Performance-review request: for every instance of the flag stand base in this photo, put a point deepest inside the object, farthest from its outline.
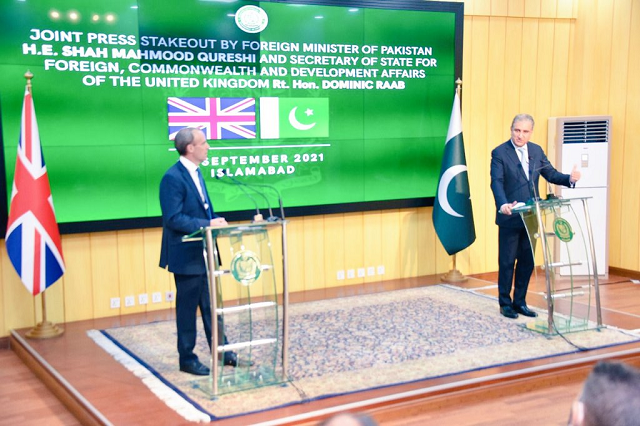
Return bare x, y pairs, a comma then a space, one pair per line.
44, 330
453, 276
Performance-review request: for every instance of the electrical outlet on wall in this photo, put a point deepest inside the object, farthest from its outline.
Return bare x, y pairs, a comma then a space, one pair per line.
129, 301
143, 299
170, 296
156, 297
115, 302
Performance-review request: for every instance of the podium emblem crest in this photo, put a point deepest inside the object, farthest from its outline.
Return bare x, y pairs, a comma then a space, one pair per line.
562, 229
246, 267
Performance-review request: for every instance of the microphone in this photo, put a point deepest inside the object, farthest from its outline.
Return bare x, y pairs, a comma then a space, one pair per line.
550, 194
271, 217
273, 188
258, 216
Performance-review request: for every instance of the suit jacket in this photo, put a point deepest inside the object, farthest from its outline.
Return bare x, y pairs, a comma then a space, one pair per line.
509, 182
183, 212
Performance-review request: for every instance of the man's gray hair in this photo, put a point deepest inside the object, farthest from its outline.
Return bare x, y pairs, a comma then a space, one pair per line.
523, 117
184, 138
611, 395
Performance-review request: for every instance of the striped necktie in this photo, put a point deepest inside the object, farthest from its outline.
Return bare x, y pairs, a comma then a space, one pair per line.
522, 153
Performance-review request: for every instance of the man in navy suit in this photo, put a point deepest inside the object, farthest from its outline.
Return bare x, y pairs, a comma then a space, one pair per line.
516, 166
186, 208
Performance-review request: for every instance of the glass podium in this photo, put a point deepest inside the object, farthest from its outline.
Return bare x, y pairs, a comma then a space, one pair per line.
243, 284
562, 228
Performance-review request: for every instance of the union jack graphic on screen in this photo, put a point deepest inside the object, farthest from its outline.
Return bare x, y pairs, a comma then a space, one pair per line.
218, 118
33, 239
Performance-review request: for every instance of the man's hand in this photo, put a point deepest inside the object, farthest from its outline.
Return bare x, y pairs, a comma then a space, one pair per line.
506, 208
575, 174
218, 221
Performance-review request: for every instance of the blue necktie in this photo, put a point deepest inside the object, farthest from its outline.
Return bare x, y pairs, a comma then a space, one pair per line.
204, 194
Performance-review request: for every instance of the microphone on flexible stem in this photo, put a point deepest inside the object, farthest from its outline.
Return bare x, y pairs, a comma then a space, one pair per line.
271, 217
273, 188
550, 194
258, 216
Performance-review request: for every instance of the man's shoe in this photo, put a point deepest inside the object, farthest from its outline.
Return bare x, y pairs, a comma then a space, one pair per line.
507, 311
524, 310
231, 358
195, 367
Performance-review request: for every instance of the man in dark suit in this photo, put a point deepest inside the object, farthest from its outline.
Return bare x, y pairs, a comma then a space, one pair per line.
186, 208
516, 166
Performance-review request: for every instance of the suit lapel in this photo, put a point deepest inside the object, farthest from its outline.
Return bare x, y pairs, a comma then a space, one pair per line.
515, 159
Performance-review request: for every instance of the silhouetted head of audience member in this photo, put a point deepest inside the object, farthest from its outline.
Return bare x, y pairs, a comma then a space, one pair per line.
610, 397
349, 419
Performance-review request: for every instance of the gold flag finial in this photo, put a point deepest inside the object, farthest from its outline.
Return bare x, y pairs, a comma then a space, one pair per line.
28, 76
458, 86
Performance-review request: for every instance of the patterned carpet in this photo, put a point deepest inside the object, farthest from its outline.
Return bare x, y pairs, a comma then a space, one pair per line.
351, 344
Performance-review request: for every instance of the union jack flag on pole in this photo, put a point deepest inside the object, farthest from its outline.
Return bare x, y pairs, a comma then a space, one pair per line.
33, 239
218, 118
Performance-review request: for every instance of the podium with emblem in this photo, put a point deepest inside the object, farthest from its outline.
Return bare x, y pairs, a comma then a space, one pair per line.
247, 272
562, 229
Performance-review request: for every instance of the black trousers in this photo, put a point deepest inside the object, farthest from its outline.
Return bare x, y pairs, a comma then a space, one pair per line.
192, 292
514, 253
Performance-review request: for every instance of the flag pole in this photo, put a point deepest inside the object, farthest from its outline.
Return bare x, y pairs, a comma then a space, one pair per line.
44, 329
454, 276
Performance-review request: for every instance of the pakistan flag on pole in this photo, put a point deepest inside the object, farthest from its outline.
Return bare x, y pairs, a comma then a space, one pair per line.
452, 214
294, 118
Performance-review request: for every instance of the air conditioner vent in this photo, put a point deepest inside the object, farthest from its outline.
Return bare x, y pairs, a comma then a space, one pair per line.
587, 131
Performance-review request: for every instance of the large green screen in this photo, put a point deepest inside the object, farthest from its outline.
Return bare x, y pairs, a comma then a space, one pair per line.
338, 106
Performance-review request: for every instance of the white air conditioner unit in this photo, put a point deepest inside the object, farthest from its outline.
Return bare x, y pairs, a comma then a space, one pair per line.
585, 141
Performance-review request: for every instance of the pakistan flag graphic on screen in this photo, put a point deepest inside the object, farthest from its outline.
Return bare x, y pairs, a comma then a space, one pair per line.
294, 118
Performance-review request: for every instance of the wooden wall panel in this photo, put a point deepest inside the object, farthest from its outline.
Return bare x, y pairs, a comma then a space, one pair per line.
390, 230
353, 246
296, 256
408, 243
516, 8
105, 273
545, 57
275, 236
548, 8
532, 9
156, 279
474, 134
560, 70
499, 7
334, 246
542, 77
567, 8
131, 269
529, 58
427, 242
512, 72
78, 295
314, 273
374, 251
630, 205
496, 133
617, 108
54, 301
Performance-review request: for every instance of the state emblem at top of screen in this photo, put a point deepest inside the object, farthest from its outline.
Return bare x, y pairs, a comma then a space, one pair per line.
251, 19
